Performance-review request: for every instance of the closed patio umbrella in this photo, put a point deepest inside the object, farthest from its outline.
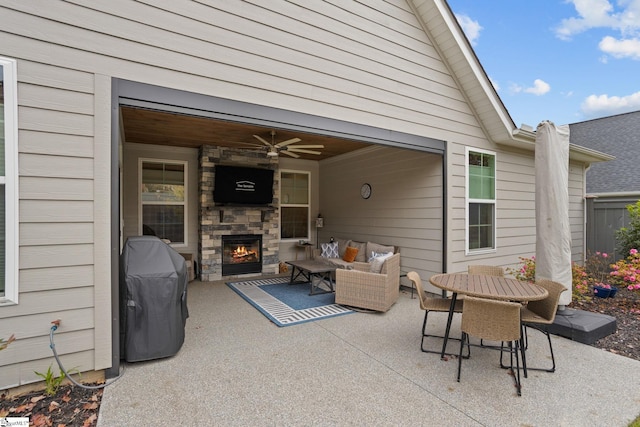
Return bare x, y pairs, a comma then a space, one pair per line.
553, 234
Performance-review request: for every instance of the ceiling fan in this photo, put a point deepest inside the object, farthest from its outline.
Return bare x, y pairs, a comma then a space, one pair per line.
287, 147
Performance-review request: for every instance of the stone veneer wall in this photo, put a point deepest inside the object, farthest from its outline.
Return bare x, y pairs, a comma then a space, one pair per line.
234, 220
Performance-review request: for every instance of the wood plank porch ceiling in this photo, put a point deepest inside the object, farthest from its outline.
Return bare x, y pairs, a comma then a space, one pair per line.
144, 126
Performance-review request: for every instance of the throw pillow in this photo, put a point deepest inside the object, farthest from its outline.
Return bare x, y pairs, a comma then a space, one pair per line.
377, 254
342, 246
330, 250
376, 264
380, 249
362, 250
350, 254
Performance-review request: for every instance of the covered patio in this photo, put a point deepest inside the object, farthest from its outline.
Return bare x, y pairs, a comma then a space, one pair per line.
238, 368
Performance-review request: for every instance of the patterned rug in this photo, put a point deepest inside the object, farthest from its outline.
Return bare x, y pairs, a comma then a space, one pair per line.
285, 304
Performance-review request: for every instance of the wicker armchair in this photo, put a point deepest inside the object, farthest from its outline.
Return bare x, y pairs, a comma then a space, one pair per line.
372, 291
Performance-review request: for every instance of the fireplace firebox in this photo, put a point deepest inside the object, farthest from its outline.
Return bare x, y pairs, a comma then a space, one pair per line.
241, 254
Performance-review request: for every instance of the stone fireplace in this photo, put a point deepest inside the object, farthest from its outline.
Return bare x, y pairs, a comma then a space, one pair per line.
230, 221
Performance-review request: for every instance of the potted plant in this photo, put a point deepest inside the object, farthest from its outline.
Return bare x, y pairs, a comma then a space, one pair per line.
604, 290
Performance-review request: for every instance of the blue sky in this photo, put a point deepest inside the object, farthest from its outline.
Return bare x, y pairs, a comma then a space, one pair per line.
561, 60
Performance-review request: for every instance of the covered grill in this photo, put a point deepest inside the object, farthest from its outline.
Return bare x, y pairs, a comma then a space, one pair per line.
153, 299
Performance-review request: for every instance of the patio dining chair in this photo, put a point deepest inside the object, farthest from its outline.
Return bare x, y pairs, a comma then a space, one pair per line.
429, 304
496, 321
539, 315
488, 270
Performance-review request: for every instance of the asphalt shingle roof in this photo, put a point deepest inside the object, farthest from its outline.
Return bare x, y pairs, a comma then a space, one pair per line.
616, 135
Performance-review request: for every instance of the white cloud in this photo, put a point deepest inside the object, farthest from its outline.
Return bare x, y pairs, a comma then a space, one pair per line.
540, 87
514, 88
605, 105
470, 27
591, 14
601, 14
624, 48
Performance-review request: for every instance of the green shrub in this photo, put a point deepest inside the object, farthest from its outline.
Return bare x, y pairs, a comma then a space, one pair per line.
629, 237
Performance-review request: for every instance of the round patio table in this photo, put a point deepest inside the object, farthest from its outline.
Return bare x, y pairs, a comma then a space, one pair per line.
484, 286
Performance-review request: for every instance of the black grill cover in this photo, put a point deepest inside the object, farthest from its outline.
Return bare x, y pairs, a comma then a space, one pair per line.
153, 299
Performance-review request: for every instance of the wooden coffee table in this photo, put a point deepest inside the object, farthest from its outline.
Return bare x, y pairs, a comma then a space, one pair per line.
314, 272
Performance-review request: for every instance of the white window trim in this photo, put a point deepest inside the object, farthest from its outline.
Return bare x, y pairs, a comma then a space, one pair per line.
486, 201
292, 205
185, 163
10, 180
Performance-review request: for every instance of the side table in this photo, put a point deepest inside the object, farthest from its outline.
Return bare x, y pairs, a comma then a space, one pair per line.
308, 250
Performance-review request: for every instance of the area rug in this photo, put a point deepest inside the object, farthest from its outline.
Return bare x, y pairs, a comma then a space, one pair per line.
286, 304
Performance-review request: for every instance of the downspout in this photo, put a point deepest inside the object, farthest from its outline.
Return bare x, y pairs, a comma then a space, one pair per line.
445, 216
444, 211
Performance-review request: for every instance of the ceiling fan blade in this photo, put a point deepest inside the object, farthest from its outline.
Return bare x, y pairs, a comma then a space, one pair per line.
261, 139
294, 149
305, 146
289, 153
287, 142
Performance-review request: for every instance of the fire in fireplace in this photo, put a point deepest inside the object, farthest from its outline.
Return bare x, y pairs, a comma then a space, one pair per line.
241, 254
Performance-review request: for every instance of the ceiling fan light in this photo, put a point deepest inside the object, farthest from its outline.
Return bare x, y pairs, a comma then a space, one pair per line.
272, 153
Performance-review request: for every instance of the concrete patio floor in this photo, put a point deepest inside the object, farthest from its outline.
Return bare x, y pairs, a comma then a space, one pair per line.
236, 368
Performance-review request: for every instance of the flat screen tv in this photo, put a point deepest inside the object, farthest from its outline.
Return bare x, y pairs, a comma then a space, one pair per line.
235, 185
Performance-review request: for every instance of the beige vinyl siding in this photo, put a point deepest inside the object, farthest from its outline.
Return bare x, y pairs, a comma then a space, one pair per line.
515, 208
515, 216
321, 58
577, 215
56, 201
366, 63
405, 208
338, 60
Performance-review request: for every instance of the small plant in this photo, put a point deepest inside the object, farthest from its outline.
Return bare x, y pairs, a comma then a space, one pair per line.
580, 288
53, 382
626, 272
580, 283
527, 271
629, 237
4, 344
597, 267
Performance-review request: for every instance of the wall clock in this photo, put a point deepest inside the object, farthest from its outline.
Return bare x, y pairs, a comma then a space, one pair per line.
365, 191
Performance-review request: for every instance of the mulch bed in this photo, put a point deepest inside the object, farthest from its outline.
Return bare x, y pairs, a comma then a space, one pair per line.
70, 407
75, 406
625, 307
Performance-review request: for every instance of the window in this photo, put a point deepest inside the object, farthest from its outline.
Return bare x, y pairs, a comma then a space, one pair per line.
294, 205
481, 200
163, 198
8, 182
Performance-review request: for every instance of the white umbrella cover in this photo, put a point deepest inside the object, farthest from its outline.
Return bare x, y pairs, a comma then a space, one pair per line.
553, 234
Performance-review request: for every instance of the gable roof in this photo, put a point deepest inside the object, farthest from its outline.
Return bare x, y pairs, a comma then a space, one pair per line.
617, 135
